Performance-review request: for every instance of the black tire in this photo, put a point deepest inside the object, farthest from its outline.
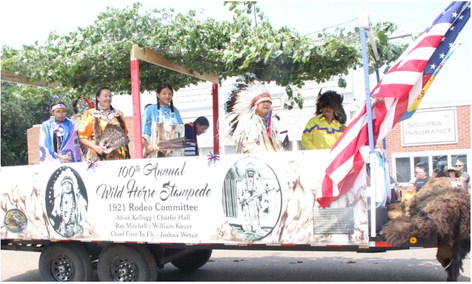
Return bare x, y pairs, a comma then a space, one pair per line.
119, 262
193, 260
65, 262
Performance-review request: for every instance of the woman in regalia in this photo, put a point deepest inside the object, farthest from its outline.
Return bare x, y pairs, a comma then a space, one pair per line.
324, 129
103, 130
162, 122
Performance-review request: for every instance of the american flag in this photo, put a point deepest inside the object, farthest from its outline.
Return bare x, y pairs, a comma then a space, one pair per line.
401, 89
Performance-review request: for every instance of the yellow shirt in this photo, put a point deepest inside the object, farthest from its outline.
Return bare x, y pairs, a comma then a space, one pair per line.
319, 134
408, 196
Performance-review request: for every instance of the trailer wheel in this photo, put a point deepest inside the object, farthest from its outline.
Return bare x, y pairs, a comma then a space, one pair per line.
126, 263
65, 262
193, 260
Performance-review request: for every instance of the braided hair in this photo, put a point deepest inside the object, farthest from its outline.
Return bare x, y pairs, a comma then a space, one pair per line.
159, 89
98, 130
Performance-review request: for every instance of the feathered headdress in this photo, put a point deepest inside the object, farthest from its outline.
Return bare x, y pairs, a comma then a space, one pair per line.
247, 92
333, 100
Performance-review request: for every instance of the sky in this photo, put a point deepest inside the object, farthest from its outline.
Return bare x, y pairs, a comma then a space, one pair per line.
23, 22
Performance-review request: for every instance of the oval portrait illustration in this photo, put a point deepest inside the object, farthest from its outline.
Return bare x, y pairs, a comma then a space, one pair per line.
251, 198
66, 201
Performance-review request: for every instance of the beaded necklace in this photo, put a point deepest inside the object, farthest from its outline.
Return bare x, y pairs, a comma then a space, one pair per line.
266, 121
105, 114
57, 126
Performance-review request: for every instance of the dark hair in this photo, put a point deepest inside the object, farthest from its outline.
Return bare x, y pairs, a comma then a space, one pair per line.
159, 89
203, 121
97, 129
98, 94
164, 86
422, 165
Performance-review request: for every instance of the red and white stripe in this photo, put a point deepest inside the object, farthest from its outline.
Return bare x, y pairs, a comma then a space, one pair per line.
392, 96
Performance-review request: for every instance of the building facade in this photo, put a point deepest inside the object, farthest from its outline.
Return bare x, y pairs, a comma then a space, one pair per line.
436, 136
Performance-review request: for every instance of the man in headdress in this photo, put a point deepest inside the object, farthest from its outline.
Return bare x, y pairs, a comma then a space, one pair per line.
254, 129
251, 200
323, 130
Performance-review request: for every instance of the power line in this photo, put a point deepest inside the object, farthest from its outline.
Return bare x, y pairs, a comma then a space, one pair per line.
333, 26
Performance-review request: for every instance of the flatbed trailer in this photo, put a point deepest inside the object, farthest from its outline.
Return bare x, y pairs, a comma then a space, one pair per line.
129, 218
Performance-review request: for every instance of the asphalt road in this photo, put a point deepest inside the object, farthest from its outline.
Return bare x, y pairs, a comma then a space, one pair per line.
237, 265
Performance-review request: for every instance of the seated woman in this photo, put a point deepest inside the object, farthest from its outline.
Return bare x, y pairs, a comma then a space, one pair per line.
103, 130
58, 140
323, 130
192, 130
162, 122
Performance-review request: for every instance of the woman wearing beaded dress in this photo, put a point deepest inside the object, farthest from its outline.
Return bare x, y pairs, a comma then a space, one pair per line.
161, 122
93, 124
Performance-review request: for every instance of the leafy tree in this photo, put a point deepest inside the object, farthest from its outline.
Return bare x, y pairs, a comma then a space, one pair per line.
21, 107
99, 55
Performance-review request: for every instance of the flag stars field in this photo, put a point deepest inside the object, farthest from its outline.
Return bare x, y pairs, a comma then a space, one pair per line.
395, 97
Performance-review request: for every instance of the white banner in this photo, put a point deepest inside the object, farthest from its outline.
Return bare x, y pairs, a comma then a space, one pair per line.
231, 199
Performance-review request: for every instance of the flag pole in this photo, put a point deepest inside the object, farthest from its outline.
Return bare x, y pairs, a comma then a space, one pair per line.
377, 58
365, 61
384, 140
364, 23
401, 86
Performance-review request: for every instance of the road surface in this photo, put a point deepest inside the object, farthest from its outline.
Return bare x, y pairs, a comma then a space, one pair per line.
238, 265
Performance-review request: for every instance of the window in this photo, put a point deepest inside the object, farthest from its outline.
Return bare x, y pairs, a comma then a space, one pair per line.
403, 169
439, 165
404, 164
422, 162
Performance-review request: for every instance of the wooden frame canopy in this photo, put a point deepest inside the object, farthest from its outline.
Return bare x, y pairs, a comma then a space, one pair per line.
153, 57
16, 78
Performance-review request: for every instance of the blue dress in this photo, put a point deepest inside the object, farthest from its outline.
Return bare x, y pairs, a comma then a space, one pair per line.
162, 125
